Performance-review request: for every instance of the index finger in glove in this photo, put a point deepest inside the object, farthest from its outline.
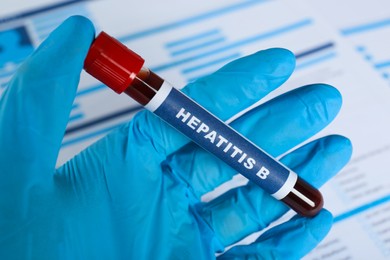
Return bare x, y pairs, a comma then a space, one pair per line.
35, 107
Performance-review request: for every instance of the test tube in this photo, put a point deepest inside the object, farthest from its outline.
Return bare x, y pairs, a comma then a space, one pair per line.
122, 70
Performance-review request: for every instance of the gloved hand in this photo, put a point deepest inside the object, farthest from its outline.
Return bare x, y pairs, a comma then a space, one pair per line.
135, 194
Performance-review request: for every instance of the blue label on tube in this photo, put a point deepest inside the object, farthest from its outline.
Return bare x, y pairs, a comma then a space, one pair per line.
214, 136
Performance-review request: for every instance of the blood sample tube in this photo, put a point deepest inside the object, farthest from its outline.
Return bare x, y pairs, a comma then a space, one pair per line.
122, 70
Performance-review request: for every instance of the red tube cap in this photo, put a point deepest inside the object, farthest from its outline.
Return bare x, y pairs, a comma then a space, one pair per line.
112, 63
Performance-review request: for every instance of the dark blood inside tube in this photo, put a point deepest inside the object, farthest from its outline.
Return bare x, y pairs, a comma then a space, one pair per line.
304, 199
144, 86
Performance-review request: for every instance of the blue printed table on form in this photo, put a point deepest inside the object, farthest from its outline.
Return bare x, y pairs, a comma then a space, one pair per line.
367, 28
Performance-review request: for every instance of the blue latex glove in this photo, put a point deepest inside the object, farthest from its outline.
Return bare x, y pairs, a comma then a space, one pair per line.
135, 194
